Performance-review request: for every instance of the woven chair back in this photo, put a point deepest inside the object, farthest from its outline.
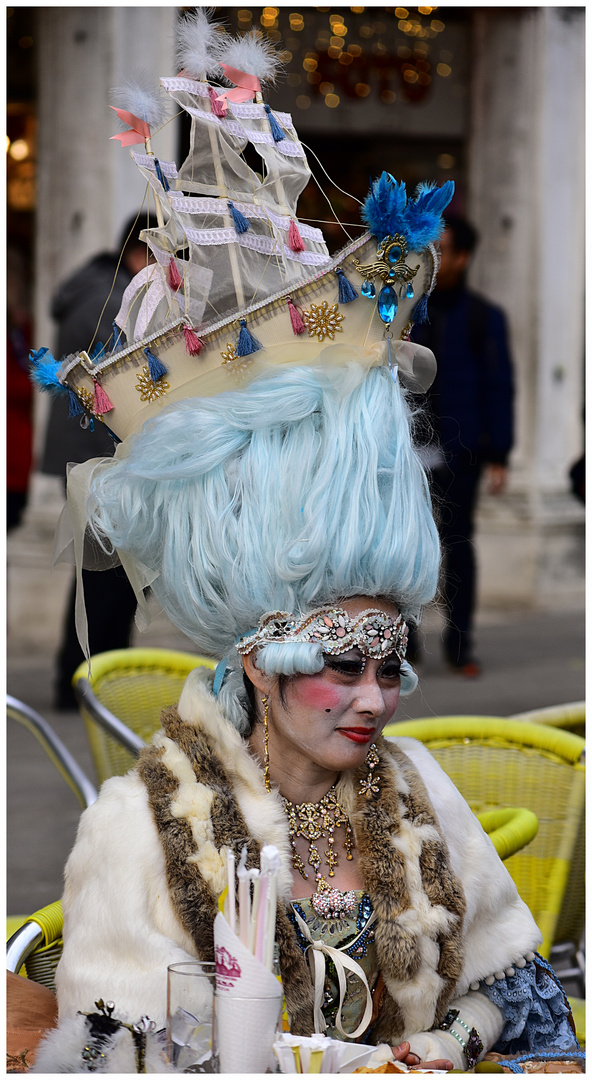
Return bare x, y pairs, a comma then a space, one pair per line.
498, 763
135, 685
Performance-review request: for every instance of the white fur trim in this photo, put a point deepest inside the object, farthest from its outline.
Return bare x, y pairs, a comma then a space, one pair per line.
262, 810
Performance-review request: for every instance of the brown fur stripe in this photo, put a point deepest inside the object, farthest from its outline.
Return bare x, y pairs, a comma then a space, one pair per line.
230, 830
190, 896
376, 820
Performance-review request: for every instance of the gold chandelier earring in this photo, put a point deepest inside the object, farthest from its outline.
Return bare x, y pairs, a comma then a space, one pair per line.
265, 704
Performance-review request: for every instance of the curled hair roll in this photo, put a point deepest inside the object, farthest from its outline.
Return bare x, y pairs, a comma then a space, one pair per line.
290, 658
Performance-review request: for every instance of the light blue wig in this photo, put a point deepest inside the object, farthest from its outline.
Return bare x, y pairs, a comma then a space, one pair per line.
300, 490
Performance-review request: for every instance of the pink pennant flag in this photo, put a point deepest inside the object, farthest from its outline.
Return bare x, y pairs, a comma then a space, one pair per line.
246, 86
140, 130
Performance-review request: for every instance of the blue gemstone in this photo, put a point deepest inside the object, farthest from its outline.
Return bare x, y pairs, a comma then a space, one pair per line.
387, 304
368, 289
410, 293
394, 254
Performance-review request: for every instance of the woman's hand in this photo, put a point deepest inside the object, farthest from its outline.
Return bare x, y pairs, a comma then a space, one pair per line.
402, 1053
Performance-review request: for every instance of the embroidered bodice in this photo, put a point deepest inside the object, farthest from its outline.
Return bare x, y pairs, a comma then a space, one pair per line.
353, 937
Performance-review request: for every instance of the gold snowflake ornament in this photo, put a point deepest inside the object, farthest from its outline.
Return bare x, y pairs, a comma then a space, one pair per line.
149, 390
323, 320
237, 364
87, 399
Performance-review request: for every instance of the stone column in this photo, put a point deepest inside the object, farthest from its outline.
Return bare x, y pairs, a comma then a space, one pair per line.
527, 200
88, 185
87, 188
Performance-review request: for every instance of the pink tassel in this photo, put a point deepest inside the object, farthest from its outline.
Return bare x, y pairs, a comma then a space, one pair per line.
218, 107
298, 324
174, 277
294, 238
101, 403
193, 344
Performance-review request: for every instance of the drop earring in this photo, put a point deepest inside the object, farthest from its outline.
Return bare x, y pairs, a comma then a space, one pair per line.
266, 744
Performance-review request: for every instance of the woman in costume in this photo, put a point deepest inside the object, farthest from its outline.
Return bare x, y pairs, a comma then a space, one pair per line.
286, 527
290, 528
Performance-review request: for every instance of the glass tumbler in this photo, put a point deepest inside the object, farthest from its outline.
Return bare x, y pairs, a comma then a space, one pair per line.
190, 1016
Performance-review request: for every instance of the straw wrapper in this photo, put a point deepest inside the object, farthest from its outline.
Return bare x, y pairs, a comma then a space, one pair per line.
246, 1028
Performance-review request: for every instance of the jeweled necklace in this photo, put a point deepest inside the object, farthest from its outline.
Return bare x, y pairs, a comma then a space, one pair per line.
313, 821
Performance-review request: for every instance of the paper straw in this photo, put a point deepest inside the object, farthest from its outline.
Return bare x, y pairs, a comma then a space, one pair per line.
262, 918
231, 888
314, 1064
271, 863
253, 876
244, 898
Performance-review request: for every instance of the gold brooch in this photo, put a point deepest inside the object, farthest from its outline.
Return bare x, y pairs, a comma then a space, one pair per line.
323, 320
390, 261
149, 390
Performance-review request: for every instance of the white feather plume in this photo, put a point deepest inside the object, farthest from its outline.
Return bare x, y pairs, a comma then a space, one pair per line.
199, 43
254, 54
140, 95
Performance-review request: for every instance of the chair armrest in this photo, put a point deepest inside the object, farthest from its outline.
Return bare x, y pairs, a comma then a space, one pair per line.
54, 748
509, 828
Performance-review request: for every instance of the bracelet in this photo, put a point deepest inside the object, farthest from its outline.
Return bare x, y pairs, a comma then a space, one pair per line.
472, 1046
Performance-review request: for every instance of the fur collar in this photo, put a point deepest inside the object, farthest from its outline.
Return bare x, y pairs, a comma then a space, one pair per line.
207, 794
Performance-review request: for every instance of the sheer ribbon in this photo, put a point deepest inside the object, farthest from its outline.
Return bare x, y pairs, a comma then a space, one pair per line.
319, 952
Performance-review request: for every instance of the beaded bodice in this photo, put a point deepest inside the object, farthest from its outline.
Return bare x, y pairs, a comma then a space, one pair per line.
349, 934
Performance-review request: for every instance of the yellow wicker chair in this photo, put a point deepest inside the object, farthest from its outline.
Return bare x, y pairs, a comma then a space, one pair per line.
498, 763
570, 717
38, 945
134, 685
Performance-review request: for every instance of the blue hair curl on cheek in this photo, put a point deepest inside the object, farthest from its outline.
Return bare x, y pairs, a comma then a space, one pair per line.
409, 679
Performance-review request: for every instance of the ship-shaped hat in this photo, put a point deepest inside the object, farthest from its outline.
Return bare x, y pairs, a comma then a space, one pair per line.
238, 284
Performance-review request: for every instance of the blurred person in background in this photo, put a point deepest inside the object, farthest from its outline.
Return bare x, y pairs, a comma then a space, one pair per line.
84, 307
470, 427
19, 390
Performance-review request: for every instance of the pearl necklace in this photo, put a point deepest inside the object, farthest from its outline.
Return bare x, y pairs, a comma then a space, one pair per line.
313, 821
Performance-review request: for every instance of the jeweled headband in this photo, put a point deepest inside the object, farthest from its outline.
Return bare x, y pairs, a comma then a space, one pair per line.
374, 632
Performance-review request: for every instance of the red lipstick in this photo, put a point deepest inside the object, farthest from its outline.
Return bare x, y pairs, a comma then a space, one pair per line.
357, 735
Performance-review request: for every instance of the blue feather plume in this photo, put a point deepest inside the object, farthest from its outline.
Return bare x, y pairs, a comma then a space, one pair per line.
44, 372
388, 211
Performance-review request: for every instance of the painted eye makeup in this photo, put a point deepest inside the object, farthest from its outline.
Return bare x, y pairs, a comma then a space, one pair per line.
354, 666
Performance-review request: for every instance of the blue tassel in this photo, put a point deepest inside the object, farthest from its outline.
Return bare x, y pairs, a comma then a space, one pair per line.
75, 405
161, 175
241, 223
157, 369
246, 343
276, 130
420, 311
347, 293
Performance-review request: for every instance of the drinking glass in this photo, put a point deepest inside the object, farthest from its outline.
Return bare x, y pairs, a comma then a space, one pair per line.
245, 1029
190, 1009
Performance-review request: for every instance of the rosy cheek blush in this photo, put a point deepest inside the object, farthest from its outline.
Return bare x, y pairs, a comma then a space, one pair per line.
316, 693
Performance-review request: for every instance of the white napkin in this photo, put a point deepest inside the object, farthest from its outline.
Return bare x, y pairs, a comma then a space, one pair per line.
246, 1029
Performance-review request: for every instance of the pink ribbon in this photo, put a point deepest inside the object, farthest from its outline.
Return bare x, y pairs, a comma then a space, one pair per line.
246, 86
140, 129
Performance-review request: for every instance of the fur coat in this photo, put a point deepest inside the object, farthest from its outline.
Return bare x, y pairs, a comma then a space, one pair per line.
149, 863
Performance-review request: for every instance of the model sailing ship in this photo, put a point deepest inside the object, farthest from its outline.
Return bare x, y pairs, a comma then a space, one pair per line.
238, 284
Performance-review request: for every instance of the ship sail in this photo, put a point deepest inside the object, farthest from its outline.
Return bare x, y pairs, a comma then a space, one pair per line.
223, 268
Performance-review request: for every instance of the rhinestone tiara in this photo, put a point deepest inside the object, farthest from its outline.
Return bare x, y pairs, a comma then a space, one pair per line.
374, 632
